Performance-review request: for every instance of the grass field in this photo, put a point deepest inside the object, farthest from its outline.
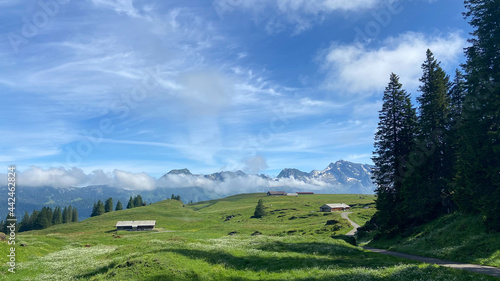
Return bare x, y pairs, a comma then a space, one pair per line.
457, 237
192, 242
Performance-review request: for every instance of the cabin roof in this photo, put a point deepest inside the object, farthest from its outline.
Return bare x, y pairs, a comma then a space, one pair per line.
276, 192
135, 223
342, 205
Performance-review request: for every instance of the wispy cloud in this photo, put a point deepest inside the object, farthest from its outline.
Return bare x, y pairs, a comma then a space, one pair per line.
119, 6
302, 14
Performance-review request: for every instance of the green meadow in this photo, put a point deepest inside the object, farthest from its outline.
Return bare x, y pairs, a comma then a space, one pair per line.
458, 237
217, 240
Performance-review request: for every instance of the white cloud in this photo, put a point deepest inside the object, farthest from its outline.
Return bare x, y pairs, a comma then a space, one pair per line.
56, 177
76, 177
300, 13
134, 181
358, 70
254, 165
247, 184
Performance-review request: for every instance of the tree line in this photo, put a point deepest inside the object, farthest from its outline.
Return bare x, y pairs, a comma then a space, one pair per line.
100, 207
47, 217
44, 218
444, 155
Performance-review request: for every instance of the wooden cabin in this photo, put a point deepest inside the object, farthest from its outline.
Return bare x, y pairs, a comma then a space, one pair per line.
334, 207
135, 225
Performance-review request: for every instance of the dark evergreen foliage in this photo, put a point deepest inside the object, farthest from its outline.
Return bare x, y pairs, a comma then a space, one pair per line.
25, 223
456, 160
138, 201
74, 215
108, 206
49, 215
427, 187
394, 142
260, 210
477, 182
118, 206
100, 208
94, 210
130, 204
57, 216
41, 221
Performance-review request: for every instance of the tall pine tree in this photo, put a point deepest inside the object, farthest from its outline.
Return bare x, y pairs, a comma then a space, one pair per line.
41, 220
477, 183
118, 206
260, 210
138, 201
66, 215
94, 210
74, 215
393, 144
57, 216
100, 208
428, 196
130, 204
108, 206
50, 215
25, 222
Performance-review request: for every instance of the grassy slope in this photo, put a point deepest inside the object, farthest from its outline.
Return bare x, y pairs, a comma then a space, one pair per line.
455, 237
192, 244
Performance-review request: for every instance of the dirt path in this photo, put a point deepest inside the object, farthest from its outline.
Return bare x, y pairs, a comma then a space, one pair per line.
488, 270
345, 215
482, 269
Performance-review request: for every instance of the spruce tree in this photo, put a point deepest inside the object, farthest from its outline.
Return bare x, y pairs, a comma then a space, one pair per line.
456, 97
66, 217
74, 215
25, 222
94, 210
130, 204
49, 215
138, 201
260, 210
394, 141
477, 183
100, 208
430, 181
108, 206
41, 221
118, 206
2, 225
70, 213
57, 216
33, 217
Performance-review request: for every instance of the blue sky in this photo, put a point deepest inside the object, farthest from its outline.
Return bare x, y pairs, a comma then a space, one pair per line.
262, 85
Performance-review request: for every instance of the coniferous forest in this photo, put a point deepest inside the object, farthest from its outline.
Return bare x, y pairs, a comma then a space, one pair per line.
442, 155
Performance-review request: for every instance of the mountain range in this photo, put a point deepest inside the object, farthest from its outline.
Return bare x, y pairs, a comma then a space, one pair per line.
339, 177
